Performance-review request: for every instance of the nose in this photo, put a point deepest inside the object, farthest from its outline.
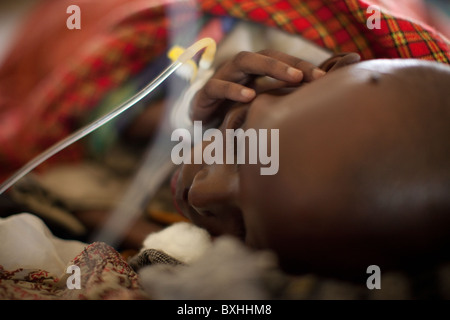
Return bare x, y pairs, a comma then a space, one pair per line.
208, 196
214, 203
214, 187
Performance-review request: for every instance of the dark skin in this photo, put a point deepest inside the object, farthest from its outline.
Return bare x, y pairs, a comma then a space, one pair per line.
363, 166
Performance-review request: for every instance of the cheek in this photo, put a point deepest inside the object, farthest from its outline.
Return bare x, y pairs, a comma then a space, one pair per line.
254, 198
270, 203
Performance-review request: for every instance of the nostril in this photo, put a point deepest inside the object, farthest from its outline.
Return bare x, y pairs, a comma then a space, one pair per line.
186, 194
207, 213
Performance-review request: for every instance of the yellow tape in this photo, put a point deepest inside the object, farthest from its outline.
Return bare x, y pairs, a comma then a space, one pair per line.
174, 53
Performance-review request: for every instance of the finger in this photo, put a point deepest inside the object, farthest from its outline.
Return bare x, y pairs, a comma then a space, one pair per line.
310, 71
216, 91
247, 64
264, 84
201, 114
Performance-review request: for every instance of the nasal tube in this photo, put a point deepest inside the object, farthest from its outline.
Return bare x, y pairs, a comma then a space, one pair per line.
205, 62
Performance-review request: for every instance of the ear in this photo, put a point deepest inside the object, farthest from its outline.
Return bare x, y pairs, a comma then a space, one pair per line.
339, 60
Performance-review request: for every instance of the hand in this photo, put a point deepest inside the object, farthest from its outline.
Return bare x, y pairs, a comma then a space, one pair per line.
238, 80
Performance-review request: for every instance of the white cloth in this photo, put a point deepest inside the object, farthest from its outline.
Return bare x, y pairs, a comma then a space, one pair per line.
26, 242
183, 241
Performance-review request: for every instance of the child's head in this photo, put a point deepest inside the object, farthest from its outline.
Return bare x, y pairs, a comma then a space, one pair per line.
364, 170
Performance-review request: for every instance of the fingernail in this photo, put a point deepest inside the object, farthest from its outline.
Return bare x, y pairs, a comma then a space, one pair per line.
317, 73
248, 93
294, 72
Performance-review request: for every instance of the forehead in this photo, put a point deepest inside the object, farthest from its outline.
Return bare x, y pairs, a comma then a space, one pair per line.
336, 90
342, 96
328, 119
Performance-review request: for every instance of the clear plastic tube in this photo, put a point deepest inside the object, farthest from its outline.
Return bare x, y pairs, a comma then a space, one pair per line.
206, 60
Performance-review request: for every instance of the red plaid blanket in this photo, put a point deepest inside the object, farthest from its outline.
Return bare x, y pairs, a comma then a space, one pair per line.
36, 116
341, 25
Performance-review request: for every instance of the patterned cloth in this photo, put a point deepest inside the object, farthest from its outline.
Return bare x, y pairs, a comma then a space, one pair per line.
150, 257
341, 26
104, 275
36, 115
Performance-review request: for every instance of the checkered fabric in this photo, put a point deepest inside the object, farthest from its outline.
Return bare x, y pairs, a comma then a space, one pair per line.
72, 91
341, 26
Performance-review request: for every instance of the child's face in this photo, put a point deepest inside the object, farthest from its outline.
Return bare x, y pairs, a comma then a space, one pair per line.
327, 130
314, 123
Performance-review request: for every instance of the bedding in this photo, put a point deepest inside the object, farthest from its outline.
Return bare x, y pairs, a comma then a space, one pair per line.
34, 264
223, 269
52, 98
